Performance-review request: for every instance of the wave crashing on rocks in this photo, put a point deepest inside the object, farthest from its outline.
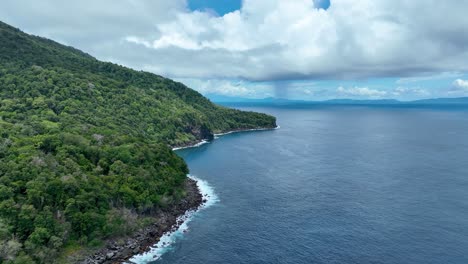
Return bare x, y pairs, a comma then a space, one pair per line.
166, 242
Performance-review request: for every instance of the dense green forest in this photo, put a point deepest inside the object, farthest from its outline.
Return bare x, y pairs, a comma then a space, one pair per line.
85, 145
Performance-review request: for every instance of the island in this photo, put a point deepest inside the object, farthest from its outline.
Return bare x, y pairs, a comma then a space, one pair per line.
88, 174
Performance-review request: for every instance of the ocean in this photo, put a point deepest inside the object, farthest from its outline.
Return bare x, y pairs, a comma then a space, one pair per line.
335, 184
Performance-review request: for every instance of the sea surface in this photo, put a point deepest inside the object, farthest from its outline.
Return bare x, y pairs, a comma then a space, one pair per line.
335, 184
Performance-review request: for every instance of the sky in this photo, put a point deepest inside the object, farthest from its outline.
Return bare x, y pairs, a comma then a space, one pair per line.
297, 49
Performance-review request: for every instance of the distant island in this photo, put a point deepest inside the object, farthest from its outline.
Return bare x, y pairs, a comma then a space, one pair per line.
227, 100
87, 172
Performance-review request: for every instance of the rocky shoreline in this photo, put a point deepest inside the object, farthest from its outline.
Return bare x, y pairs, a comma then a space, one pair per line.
141, 241
197, 143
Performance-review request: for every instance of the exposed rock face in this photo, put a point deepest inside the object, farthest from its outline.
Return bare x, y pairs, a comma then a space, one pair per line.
142, 240
201, 132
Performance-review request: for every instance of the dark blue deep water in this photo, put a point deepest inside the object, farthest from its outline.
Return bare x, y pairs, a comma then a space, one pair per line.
335, 185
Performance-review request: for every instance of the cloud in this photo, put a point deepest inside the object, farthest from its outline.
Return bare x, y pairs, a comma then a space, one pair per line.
360, 92
307, 90
459, 86
97, 27
438, 76
265, 40
410, 92
277, 40
229, 87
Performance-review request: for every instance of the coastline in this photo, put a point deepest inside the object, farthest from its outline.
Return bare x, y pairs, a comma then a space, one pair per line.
200, 142
163, 240
167, 221
120, 250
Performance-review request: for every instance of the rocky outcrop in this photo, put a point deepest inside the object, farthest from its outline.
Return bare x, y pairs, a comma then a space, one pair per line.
201, 132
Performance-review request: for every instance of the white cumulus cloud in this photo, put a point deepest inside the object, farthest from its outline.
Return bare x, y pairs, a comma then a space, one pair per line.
459, 88
265, 40
461, 84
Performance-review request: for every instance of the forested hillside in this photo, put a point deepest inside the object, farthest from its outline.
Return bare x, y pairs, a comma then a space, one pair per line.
83, 141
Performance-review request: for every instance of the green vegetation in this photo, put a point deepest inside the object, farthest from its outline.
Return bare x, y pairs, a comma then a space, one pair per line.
85, 145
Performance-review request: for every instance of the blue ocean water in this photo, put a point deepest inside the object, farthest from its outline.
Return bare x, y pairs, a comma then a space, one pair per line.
335, 184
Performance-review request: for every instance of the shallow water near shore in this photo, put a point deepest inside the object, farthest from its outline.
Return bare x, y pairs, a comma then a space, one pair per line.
336, 184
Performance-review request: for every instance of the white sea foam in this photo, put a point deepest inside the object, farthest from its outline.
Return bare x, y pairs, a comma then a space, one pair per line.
192, 146
166, 242
244, 130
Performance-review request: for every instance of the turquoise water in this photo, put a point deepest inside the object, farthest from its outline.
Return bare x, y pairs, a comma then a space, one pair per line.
334, 185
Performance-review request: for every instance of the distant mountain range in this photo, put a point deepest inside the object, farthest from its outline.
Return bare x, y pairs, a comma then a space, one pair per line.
228, 100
